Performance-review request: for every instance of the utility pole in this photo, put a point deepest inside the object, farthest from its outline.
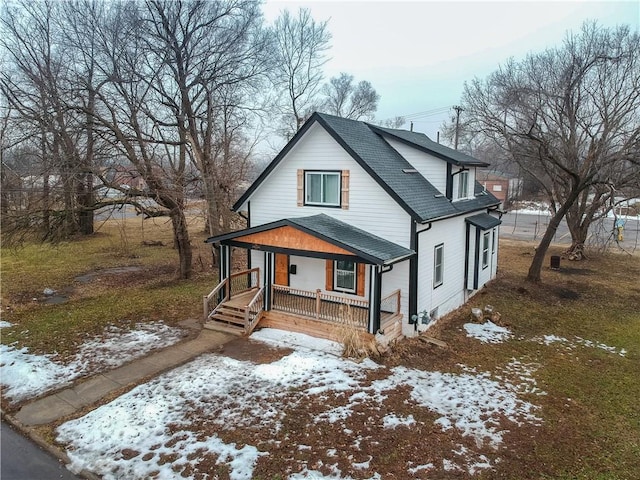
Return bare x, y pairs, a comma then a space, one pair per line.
458, 109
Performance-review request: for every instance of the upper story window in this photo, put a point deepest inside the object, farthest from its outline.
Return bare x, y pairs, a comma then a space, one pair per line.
463, 184
322, 188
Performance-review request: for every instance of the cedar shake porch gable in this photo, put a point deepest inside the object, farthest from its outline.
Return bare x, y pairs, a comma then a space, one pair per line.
319, 236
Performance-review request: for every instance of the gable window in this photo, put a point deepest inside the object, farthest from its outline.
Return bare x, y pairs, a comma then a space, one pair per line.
344, 272
463, 184
438, 265
322, 188
485, 249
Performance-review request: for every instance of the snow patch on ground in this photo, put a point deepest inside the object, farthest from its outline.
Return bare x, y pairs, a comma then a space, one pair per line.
578, 341
153, 420
487, 332
5, 324
299, 341
26, 375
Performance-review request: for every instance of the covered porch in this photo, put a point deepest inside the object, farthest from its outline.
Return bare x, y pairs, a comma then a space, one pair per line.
296, 255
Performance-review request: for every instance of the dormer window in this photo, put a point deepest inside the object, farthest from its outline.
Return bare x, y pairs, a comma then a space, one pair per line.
463, 184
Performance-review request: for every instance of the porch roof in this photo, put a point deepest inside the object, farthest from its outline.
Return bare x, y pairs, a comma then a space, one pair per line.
337, 239
484, 221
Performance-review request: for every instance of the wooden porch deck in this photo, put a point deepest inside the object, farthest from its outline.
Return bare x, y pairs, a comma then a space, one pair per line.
315, 313
318, 327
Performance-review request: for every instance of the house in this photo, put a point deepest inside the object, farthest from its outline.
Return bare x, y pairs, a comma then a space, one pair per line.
504, 187
381, 229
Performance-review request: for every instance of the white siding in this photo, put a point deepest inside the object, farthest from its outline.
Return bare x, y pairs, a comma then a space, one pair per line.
370, 207
449, 295
453, 292
430, 167
398, 278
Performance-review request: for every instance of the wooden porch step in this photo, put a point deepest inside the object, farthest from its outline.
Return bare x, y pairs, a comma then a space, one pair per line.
231, 319
223, 327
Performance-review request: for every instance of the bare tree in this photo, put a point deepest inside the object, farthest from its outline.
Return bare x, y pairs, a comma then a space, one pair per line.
569, 118
344, 98
301, 43
215, 56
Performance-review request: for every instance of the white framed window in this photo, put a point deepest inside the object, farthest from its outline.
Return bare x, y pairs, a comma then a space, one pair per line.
497, 188
493, 241
485, 249
438, 265
322, 188
463, 184
344, 276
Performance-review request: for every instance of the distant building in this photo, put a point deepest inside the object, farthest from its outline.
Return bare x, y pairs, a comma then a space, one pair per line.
503, 186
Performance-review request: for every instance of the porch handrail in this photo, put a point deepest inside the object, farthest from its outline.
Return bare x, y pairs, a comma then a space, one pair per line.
218, 299
244, 281
321, 306
253, 311
391, 303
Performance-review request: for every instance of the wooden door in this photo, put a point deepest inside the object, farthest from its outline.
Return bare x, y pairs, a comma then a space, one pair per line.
282, 269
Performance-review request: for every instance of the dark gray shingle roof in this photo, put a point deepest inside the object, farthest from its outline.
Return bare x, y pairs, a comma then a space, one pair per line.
424, 143
366, 144
484, 221
365, 245
353, 238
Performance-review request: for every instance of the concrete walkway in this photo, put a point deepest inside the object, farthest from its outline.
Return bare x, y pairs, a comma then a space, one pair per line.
91, 390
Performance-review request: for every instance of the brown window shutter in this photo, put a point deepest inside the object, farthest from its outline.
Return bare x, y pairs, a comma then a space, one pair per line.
328, 275
345, 190
360, 280
300, 187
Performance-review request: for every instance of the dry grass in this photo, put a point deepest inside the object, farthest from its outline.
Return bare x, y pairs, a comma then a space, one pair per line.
591, 412
148, 293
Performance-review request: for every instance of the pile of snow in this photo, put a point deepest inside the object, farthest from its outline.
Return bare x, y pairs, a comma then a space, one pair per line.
487, 332
26, 375
5, 324
230, 394
578, 341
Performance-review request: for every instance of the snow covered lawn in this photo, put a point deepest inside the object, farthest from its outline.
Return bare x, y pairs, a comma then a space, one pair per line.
309, 414
24, 375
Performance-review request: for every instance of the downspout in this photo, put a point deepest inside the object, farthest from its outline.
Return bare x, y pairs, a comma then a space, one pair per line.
413, 273
466, 260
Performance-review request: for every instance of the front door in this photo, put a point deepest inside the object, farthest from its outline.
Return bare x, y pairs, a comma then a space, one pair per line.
282, 269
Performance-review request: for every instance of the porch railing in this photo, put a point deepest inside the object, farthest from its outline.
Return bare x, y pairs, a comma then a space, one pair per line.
253, 312
321, 306
244, 281
231, 286
391, 303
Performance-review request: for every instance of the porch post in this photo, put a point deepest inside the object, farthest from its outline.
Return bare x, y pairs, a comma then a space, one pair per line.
375, 295
268, 266
378, 295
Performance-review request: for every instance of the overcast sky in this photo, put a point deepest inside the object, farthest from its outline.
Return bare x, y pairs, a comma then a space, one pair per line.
418, 54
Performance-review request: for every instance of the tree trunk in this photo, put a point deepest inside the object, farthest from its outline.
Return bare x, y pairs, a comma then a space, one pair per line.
541, 251
579, 231
183, 243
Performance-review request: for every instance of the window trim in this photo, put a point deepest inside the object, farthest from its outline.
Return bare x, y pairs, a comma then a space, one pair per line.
337, 173
485, 250
463, 174
437, 283
336, 288
493, 241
